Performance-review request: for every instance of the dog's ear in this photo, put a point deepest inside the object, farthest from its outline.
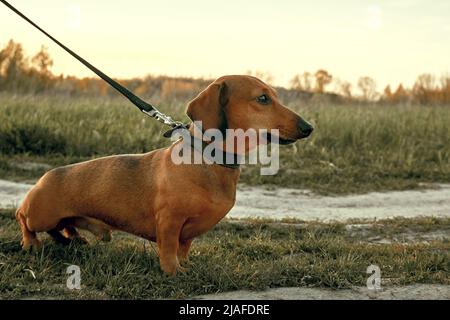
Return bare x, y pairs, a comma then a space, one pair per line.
209, 105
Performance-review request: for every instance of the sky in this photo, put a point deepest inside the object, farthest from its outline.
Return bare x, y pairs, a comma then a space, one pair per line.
393, 41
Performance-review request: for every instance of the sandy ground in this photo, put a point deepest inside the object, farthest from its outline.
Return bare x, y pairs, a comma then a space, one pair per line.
284, 203
304, 205
412, 292
12, 193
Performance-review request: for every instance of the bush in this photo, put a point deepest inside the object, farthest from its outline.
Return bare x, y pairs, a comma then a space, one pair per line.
30, 139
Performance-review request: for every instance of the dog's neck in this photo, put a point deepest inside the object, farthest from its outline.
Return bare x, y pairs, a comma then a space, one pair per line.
230, 160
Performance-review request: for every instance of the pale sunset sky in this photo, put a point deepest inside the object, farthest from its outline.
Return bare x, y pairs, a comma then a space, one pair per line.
392, 41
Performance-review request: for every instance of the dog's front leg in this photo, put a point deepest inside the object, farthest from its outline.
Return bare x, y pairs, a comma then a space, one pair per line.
183, 251
167, 237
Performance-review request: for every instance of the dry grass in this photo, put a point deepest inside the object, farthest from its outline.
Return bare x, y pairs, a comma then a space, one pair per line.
353, 149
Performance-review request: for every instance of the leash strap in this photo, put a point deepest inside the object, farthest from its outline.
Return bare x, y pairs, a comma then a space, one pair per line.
145, 107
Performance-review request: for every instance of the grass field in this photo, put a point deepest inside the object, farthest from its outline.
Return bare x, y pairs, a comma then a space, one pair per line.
353, 149
235, 255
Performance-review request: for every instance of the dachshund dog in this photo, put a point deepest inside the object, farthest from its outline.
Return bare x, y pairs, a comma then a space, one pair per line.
147, 194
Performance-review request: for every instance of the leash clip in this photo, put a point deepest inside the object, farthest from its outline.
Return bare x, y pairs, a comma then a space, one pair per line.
167, 120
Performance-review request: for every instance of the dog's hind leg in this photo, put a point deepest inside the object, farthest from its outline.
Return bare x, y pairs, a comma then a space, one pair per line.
29, 238
71, 233
58, 237
101, 230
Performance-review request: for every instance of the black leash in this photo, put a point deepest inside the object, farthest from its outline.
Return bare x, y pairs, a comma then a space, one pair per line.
145, 107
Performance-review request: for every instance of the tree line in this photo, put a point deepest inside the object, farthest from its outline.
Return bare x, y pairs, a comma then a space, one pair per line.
22, 74
427, 89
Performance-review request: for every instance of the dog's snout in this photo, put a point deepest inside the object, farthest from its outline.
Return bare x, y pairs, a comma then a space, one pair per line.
305, 128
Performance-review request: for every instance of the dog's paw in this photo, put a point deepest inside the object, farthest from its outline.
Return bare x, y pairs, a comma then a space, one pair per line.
106, 236
80, 240
33, 245
182, 269
171, 269
185, 263
171, 266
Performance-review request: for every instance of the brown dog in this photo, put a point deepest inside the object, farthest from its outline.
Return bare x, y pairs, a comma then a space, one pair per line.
148, 195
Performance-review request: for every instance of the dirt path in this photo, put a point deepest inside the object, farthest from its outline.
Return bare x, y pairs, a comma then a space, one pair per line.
281, 203
304, 205
12, 193
412, 292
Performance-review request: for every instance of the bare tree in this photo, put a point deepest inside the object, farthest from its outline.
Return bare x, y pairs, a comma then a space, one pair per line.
296, 83
42, 61
445, 88
302, 81
387, 93
344, 88
13, 66
368, 88
267, 77
426, 81
323, 78
425, 89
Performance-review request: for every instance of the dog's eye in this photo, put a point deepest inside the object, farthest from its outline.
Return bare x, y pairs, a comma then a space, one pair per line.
264, 100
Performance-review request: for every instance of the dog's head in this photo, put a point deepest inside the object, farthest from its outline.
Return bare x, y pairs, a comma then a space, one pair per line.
245, 102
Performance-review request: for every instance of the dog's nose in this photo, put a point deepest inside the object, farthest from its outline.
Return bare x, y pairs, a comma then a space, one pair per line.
305, 128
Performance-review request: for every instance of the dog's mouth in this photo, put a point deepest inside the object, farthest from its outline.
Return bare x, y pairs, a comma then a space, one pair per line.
281, 140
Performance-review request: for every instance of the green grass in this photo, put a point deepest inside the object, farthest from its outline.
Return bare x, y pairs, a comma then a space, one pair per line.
353, 149
250, 254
